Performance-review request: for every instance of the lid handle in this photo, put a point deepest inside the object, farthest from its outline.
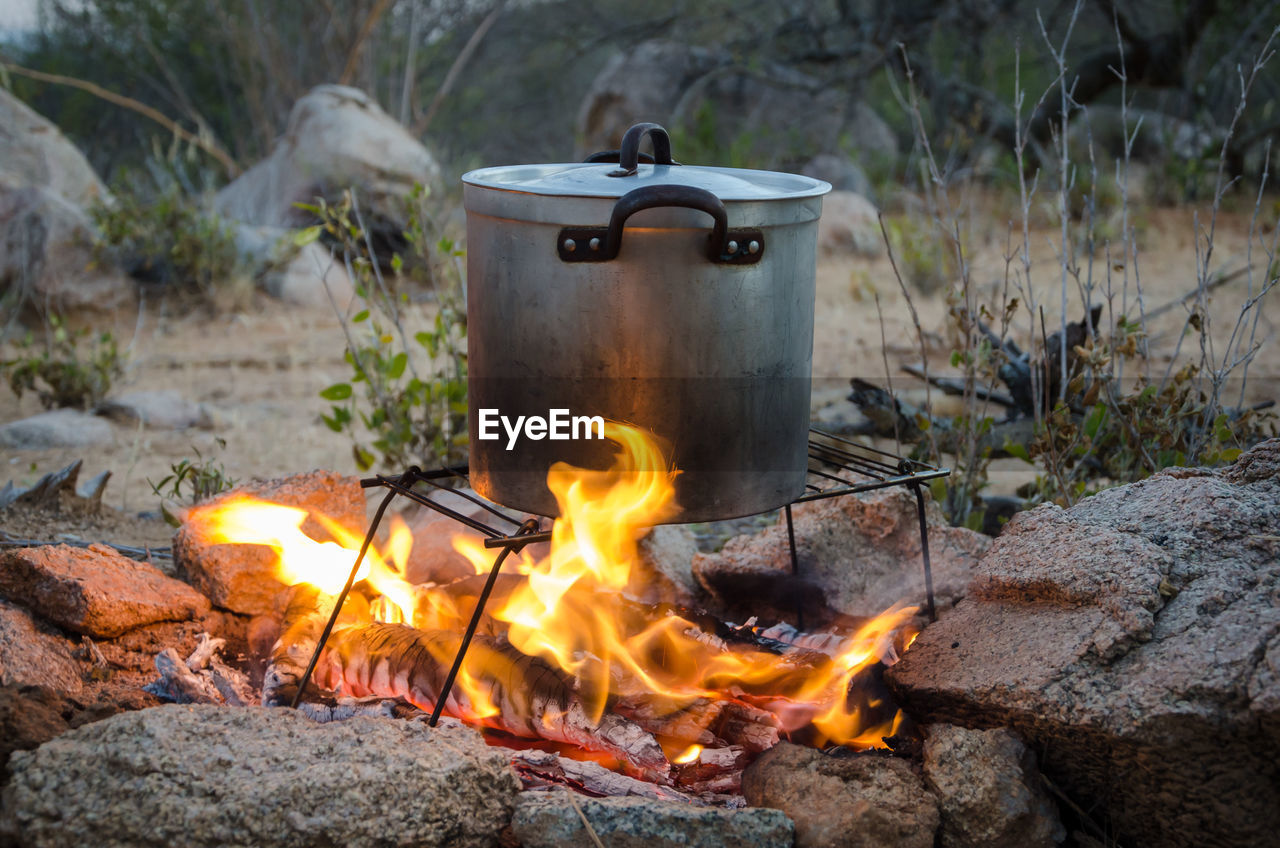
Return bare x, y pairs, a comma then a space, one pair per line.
629, 154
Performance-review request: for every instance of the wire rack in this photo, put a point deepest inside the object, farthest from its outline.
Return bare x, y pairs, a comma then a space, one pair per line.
837, 467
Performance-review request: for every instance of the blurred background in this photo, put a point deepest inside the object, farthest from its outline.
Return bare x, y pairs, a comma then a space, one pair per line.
1050, 247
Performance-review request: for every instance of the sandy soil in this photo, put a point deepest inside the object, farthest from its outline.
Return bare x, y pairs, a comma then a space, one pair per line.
260, 370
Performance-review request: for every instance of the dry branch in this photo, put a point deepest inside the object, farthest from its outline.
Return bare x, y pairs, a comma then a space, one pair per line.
206, 144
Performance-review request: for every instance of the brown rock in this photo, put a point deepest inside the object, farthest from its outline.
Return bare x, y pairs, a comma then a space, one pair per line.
29, 717
33, 655
862, 801
95, 590
859, 554
1133, 640
242, 578
989, 790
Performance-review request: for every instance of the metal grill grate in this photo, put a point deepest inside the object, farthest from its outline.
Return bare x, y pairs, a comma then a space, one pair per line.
837, 467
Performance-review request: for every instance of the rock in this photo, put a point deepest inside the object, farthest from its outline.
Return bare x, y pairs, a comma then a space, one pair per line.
242, 578
641, 84
862, 801
841, 171
772, 114
849, 225
433, 559
57, 428
550, 820
206, 776
165, 409
989, 790
29, 717
95, 591
664, 571
1132, 640
33, 655
858, 554
35, 152
311, 278
46, 237
337, 138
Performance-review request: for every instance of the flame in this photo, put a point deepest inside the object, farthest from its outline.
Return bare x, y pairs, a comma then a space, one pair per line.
689, 755
570, 608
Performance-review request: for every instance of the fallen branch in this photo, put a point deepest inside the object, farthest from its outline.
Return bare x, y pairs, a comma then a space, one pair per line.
207, 145
955, 386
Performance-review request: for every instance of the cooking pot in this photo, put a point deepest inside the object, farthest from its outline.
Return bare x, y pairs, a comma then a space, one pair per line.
674, 297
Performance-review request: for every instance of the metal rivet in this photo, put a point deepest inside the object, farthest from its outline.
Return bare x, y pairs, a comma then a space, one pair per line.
732, 247
594, 244
753, 247
570, 245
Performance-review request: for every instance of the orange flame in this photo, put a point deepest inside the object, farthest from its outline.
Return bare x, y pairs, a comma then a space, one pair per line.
569, 607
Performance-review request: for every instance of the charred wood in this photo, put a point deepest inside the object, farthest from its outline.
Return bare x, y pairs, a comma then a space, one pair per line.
509, 691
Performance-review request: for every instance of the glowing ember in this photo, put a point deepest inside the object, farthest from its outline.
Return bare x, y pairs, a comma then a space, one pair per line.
569, 610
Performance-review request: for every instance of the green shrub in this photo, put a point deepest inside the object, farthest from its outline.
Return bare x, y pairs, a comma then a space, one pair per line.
168, 241
67, 372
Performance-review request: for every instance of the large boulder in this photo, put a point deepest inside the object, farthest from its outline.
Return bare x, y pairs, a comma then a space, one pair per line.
858, 555
46, 237
864, 801
1134, 641
243, 578
206, 776
337, 138
641, 84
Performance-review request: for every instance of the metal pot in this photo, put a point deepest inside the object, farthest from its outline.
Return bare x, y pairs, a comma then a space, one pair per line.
677, 298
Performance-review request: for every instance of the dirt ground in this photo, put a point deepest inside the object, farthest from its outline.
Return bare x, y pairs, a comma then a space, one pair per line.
259, 371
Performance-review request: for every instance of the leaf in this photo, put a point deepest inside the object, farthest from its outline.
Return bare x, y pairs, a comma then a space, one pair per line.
304, 237
338, 391
398, 363
362, 315
364, 459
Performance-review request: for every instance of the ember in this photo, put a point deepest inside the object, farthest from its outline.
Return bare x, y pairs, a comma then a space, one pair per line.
564, 655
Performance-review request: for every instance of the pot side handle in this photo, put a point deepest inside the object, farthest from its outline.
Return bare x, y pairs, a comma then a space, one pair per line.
601, 244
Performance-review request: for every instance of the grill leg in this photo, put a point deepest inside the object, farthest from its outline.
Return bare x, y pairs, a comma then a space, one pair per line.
529, 526
924, 553
346, 589
795, 566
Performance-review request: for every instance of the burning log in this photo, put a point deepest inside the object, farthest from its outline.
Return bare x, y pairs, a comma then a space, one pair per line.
304, 620
704, 722
497, 687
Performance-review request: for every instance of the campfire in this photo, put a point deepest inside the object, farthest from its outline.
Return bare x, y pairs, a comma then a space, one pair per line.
562, 657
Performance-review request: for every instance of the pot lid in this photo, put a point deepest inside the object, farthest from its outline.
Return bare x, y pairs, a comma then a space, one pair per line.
595, 180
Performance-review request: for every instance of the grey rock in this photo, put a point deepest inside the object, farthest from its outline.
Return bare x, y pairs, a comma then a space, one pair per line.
989, 790
165, 409
640, 84
860, 553
863, 801
841, 171
57, 428
550, 820
243, 578
849, 225
32, 654
311, 278
1133, 640
95, 590
337, 138
46, 236
206, 776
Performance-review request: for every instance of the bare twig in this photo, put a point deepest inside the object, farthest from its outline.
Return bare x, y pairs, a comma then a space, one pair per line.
353, 56
459, 64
